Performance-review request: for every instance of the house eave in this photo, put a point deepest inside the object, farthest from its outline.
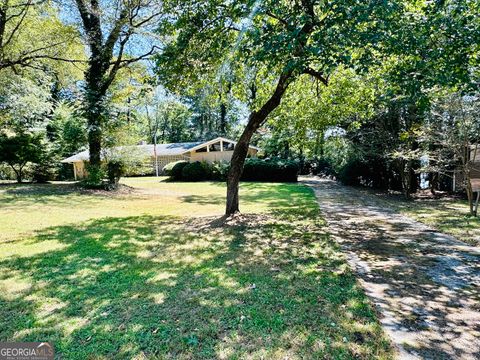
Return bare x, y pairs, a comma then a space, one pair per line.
206, 143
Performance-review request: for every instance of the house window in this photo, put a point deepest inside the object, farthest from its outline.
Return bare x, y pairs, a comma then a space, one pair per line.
215, 147
228, 146
203, 149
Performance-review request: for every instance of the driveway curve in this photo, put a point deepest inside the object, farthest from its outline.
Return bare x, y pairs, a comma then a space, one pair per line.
424, 284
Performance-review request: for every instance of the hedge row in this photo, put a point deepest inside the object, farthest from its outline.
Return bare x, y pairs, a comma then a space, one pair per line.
271, 170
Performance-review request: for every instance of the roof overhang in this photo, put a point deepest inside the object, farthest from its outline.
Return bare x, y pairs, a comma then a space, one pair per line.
213, 141
84, 155
81, 156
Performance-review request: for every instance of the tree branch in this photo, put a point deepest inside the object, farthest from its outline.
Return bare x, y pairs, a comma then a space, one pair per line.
146, 20
125, 62
84, 14
272, 15
17, 26
316, 74
115, 33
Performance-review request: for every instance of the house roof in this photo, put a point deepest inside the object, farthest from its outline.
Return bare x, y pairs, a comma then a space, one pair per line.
148, 149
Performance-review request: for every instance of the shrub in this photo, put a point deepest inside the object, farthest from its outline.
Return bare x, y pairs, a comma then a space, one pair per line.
64, 172
138, 168
271, 170
177, 168
317, 166
94, 179
167, 169
370, 171
43, 172
219, 170
195, 171
6, 172
351, 173
115, 170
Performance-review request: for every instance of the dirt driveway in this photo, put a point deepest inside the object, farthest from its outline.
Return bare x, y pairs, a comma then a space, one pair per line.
425, 284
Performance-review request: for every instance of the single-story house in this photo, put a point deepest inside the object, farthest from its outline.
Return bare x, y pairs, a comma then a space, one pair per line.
218, 149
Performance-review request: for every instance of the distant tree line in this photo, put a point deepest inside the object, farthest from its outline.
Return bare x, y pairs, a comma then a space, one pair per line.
374, 92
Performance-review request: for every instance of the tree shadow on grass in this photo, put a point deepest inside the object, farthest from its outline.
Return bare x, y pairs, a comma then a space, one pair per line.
450, 215
16, 196
278, 196
425, 283
174, 288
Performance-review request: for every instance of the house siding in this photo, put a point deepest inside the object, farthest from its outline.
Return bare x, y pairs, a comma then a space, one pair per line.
476, 170
216, 156
79, 170
458, 180
170, 153
163, 160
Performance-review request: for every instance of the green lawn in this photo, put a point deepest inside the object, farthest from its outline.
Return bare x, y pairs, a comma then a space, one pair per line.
148, 273
447, 215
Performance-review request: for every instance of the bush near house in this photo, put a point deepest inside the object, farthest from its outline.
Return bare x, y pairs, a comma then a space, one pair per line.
176, 170
196, 171
95, 177
43, 172
115, 170
269, 170
106, 177
219, 171
167, 169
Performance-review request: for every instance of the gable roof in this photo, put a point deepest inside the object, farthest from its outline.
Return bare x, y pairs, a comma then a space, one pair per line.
205, 143
148, 150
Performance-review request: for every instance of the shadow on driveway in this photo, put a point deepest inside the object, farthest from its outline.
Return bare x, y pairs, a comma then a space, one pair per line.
425, 284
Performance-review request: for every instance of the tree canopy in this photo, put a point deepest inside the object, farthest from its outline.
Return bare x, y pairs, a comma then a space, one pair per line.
259, 48
351, 85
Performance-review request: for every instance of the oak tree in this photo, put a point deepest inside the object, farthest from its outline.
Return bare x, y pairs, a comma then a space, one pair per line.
262, 47
110, 29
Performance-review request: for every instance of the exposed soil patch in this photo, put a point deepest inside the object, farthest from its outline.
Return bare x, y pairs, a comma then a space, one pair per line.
425, 284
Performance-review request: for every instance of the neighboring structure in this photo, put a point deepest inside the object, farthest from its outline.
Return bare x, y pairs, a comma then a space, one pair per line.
458, 179
218, 149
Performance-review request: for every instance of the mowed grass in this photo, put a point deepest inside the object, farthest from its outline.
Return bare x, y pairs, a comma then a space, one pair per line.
150, 273
448, 215
29, 207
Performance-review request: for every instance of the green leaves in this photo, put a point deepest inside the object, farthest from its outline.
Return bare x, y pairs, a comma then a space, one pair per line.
439, 43
18, 150
206, 38
32, 35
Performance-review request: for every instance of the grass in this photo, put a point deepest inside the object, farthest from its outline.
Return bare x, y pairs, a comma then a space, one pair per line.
24, 208
448, 215
141, 274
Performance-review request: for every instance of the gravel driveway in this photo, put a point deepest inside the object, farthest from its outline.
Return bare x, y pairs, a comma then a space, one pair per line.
425, 284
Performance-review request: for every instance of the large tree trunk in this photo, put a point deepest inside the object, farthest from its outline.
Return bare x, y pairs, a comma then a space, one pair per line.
94, 139
434, 179
95, 111
236, 164
94, 121
255, 120
3, 23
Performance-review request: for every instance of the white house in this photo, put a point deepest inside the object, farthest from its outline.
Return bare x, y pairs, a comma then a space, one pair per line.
218, 149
